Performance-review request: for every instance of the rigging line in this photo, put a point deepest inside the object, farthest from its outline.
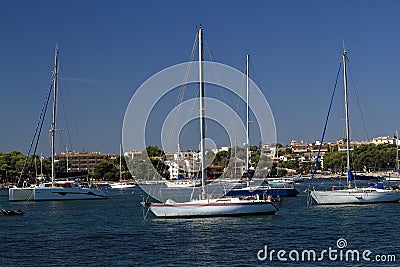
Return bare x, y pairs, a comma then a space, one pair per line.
254, 72
362, 98
198, 93
66, 120
358, 104
181, 92
179, 100
39, 123
323, 135
210, 52
222, 92
361, 114
218, 77
40, 129
191, 111
61, 137
255, 80
233, 122
67, 90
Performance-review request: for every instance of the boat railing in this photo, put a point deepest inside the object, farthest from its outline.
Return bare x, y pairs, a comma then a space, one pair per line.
329, 187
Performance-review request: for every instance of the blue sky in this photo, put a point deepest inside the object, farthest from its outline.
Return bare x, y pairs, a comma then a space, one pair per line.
108, 48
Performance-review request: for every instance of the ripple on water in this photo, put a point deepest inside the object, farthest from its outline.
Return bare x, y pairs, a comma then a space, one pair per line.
112, 232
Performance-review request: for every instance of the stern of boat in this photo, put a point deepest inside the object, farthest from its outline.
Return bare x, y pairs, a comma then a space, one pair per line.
21, 194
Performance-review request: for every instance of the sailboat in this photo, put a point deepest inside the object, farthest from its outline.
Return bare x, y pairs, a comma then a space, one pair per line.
122, 184
56, 189
282, 189
396, 177
206, 206
183, 183
353, 194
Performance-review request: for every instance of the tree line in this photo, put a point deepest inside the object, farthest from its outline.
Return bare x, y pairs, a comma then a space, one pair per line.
364, 158
13, 166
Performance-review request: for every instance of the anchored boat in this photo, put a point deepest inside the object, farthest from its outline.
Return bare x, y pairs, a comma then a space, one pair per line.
56, 189
351, 194
207, 206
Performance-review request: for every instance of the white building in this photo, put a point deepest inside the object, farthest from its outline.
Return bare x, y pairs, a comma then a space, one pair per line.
182, 164
384, 140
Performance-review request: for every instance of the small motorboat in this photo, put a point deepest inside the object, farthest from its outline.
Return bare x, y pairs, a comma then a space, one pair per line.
11, 212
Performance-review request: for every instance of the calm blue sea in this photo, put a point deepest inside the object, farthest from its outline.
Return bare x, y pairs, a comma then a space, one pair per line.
113, 232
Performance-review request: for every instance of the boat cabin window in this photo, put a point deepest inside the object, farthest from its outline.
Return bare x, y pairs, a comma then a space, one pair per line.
66, 185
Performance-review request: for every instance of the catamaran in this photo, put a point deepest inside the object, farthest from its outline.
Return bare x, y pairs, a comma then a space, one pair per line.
56, 189
353, 194
207, 206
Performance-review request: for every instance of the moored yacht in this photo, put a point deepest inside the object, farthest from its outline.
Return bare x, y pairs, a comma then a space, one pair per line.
56, 189
122, 184
206, 205
352, 194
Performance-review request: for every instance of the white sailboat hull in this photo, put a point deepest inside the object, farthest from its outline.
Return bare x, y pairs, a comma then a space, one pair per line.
182, 184
54, 193
355, 196
122, 185
213, 208
392, 179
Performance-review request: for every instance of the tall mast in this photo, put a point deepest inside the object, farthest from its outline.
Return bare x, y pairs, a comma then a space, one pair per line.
202, 131
235, 161
36, 172
41, 165
397, 152
120, 162
247, 118
53, 123
346, 100
66, 151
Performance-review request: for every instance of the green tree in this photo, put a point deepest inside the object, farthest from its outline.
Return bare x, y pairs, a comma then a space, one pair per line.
61, 165
290, 164
12, 162
126, 175
221, 158
105, 170
335, 161
154, 151
367, 157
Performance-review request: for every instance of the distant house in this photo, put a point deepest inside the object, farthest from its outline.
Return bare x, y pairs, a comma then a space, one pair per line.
133, 154
182, 164
268, 150
315, 147
384, 140
301, 147
342, 145
83, 161
181, 155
